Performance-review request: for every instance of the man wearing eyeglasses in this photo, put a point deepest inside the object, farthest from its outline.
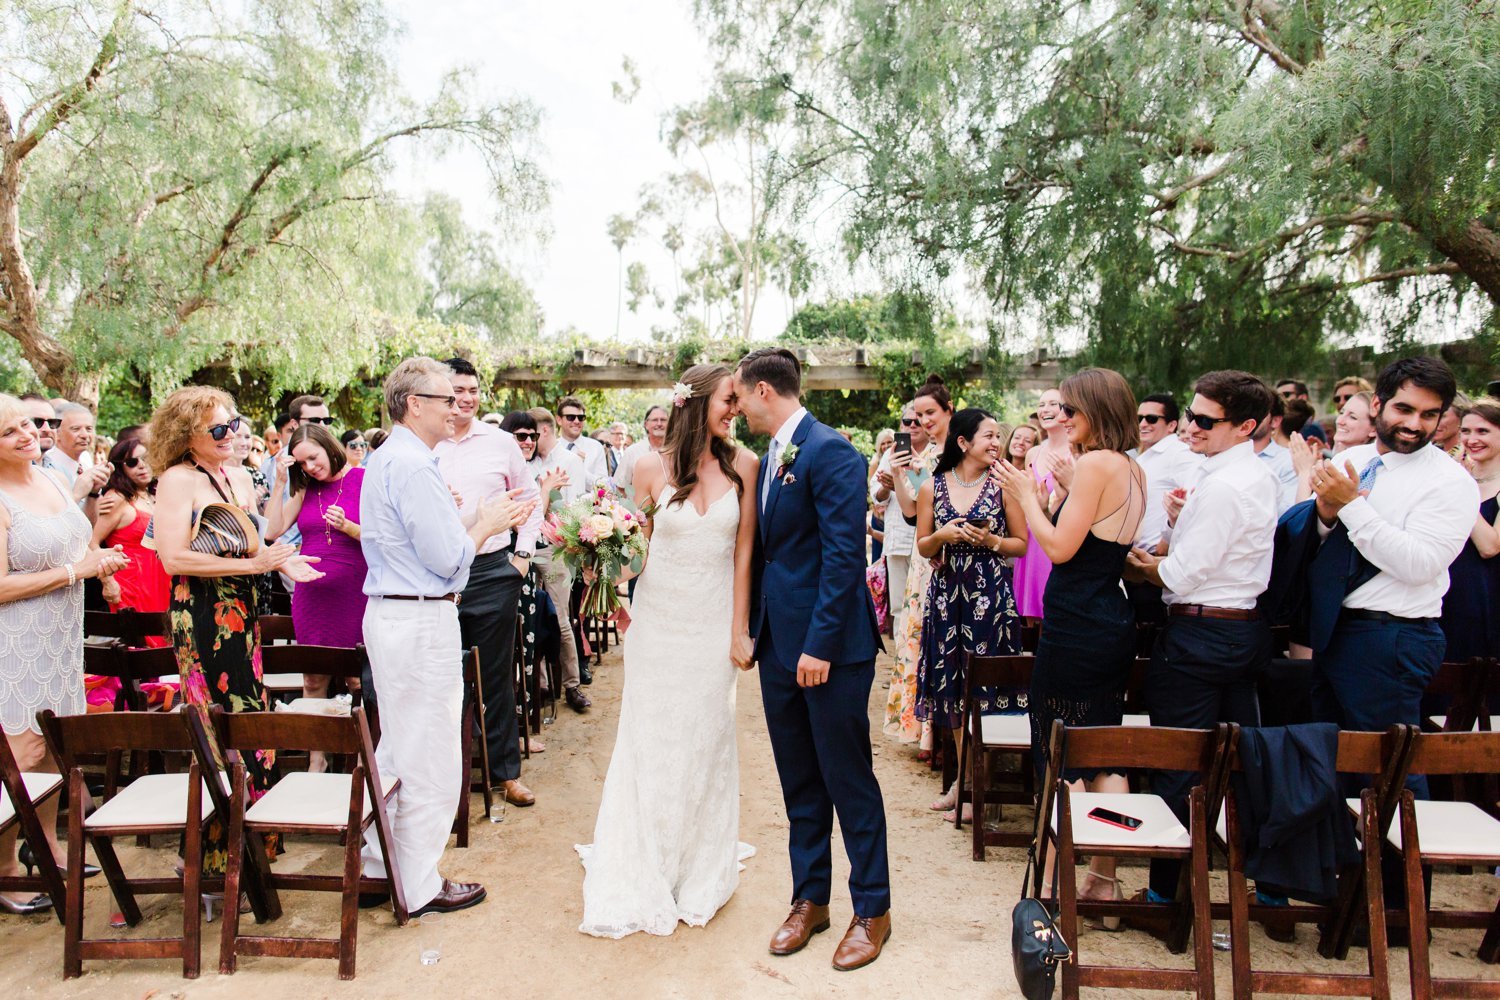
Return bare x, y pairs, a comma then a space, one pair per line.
1217, 564
570, 418
654, 423
1289, 389
1169, 464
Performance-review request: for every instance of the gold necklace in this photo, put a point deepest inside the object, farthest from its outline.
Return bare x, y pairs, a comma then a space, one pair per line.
323, 511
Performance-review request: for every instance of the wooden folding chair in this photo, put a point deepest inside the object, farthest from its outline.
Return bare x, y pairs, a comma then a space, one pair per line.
128, 625
1463, 687
154, 803
1031, 634
1065, 818
1449, 834
343, 805
20, 793
1382, 758
984, 735
475, 751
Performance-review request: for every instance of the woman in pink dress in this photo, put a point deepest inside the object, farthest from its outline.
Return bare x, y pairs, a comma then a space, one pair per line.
1032, 569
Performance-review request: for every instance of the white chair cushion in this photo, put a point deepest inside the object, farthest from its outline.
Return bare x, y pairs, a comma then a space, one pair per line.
282, 682
1135, 720
1441, 721
1005, 730
151, 800
1459, 829
305, 799
37, 784
1159, 827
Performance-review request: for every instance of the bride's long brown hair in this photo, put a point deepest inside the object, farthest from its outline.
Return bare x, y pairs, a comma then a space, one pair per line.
687, 434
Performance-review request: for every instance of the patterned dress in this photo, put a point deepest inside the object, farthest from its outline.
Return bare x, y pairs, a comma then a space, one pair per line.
901, 720
970, 606
216, 633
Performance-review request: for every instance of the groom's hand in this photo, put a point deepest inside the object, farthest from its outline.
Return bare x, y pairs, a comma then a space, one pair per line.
812, 671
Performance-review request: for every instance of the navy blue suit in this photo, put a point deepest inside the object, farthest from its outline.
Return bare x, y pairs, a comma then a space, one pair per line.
811, 598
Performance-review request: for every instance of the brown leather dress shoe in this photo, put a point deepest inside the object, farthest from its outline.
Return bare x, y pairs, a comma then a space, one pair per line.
862, 942
806, 919
518, 794
453, 896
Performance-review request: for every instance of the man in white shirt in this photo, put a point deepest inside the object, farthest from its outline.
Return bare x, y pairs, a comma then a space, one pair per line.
1169, 464
480, 462
1408, 509
899, 535
655, 425
570, 418
1218, 562
1277, 457
557, 577
74, 437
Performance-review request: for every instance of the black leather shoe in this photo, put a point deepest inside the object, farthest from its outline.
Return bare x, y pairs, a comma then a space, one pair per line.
585, 674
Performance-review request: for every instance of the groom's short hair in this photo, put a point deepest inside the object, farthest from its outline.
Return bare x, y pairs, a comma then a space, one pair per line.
775, 366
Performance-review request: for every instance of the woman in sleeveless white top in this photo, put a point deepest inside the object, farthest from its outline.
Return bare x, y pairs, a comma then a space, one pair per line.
666, 846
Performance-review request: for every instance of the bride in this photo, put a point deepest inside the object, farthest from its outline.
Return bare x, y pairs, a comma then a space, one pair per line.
666, 845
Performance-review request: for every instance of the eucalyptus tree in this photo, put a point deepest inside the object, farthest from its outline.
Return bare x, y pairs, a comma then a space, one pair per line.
204, 182
1192, 182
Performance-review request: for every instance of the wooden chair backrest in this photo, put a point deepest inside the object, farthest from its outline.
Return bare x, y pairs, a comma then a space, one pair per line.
998, 671
1141, 747
251, 731
1454, 753
276, 628
73, 736
1031, 634
127, 624
335, 661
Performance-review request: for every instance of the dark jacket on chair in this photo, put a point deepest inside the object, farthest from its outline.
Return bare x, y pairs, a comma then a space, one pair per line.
1296, 827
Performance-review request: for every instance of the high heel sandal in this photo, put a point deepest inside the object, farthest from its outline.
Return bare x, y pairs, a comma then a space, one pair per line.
1110, 924
28, 861
213, 899
36, 904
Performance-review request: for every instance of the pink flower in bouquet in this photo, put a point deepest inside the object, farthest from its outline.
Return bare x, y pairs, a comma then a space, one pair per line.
586, 533
550, 532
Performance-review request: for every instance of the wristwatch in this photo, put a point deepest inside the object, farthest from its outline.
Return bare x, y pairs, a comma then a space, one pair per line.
523, 555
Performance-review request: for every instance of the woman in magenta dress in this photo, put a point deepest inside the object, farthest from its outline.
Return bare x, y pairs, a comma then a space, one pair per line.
324, 502
1031, 570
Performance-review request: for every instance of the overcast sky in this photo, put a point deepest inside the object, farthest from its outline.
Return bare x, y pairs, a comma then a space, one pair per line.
598, 152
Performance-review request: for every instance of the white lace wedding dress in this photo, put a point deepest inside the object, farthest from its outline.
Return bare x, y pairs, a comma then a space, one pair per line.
666, 846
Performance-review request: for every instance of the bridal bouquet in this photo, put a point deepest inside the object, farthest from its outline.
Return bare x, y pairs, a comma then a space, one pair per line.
601, 533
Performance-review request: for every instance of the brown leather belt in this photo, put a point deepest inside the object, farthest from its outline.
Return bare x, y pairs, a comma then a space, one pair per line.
450, 598
1204, 611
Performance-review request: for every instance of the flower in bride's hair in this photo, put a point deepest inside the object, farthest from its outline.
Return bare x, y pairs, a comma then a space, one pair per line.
681, 393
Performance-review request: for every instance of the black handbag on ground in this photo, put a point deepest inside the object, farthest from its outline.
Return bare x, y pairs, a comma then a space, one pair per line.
1036, 945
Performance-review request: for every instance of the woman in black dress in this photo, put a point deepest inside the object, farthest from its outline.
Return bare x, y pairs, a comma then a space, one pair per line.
1088, 631
1471, 608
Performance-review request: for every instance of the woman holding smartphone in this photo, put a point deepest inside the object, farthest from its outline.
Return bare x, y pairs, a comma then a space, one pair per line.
968, 526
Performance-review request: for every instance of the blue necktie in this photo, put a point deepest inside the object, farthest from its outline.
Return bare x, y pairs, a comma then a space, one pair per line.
1367, 477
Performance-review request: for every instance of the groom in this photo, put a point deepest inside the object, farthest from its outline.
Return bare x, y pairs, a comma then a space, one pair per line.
815, 639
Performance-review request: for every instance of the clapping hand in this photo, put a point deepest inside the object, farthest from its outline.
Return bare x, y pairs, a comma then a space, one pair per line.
91, 480
556, 479
299, 569
1021, 485
503, 512
458, 499
107, 504
1139, 565
1172, 501
1060, 464
1335, 488
101, 563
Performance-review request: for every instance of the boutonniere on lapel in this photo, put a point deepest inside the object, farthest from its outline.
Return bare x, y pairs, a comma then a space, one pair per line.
783, 470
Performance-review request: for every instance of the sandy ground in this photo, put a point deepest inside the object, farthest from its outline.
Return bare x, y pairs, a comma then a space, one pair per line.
950, 915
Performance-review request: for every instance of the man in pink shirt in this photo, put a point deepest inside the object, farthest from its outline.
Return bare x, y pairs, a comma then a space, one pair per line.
478, 462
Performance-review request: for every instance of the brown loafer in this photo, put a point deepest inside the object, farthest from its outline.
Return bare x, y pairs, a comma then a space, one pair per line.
862, 942
452, 896
806, 919
518, 794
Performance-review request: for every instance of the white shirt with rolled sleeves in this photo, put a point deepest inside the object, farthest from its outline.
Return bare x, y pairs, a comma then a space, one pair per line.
1221, 548
1168, 465
485, 463
590, 452
1412, 526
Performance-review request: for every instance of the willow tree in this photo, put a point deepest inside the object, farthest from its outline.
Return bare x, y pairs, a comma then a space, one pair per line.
204, 182
1191, 182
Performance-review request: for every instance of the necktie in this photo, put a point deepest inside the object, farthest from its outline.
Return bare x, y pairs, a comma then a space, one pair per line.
771, 459
1367, 477
571, 444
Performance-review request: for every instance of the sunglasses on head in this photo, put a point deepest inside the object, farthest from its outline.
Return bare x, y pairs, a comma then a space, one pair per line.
1203, 421
221, 431
524, 435
325, 421
573, 416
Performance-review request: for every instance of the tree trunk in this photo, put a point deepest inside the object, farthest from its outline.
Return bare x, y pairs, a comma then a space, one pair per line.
1476, 249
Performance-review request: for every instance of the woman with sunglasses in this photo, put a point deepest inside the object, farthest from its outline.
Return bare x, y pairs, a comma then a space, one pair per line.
205, 509
355, 447
1088, 634
143, 585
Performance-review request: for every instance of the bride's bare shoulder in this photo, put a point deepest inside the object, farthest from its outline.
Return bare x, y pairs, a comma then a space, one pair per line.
745, 461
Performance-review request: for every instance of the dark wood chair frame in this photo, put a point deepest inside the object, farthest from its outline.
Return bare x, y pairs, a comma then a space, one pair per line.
111, 733
991, 671
50, 880
475, 748
1128, 748
1445, 754
1383, 755
248, 731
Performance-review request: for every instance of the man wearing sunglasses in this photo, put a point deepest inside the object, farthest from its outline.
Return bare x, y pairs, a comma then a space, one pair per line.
570, 418
1289, 389
1218, 562
1169, 464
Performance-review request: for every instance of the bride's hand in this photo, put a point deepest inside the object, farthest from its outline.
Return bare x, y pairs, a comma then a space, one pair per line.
742, 651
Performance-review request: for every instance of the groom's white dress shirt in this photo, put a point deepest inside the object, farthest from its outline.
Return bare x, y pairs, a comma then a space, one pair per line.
782, 438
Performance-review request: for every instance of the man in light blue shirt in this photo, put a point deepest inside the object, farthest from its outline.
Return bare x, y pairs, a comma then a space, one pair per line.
418, 553
1277, 457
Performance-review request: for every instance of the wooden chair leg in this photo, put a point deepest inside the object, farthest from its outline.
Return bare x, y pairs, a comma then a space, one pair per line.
1065, 879
349, 912
1489, 948
1380, 986
1418, 957
962, 754
1203, 952
466, 748
104, 850
73, 919
229, 931
979, 780
1239, 908
192, 880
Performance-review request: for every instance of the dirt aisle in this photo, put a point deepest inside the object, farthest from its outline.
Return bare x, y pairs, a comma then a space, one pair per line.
950, 915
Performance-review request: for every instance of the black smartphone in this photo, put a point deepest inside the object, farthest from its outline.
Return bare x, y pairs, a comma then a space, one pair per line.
982, 523
1114, 818
903, 442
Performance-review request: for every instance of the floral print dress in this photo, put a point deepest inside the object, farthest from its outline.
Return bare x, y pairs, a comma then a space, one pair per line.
216, 633
901, 721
